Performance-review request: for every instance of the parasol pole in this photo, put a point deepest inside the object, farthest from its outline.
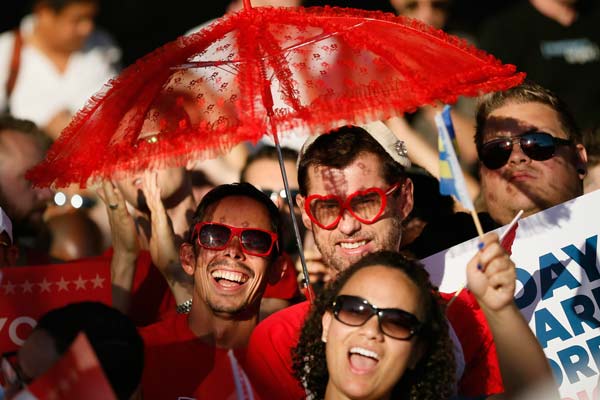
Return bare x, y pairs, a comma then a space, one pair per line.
267, 99
247, 5
290, 202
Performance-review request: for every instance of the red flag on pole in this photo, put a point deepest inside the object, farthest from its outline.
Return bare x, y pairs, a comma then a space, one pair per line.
77, 375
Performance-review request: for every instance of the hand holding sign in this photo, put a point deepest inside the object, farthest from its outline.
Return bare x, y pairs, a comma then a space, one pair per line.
491, 275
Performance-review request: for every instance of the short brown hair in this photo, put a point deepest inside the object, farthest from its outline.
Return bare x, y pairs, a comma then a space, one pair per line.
340, 148
527, 92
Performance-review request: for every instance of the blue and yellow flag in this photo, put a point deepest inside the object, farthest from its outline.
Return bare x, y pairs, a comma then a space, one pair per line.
452, 180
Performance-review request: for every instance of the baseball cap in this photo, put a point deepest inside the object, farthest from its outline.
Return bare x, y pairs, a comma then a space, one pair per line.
379, 131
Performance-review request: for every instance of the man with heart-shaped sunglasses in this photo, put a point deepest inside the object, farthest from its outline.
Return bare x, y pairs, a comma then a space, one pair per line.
354, 196
530, 151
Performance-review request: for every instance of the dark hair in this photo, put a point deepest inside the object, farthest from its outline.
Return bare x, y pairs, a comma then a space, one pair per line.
591, 142
429, 205
59, 5
114, 338
434, 375
237, 189
267, 153
10, 123
527, 92
338, 149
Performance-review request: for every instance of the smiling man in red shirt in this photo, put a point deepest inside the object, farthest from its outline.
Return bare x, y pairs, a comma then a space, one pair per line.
231, 255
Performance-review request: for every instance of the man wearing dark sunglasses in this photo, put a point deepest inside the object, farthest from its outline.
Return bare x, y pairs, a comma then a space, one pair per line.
354, 196
530, 152
231, 255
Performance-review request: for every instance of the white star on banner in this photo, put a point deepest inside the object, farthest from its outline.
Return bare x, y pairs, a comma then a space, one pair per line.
9, 287
27, 286
97, 281
80, 283
62, 284
45, 285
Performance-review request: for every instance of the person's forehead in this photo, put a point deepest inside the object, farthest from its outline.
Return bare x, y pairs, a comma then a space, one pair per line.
513, 119
365, 171
15, 145
240, 211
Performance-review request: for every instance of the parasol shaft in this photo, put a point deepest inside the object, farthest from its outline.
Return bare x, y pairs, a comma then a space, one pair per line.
247, 5
290, 201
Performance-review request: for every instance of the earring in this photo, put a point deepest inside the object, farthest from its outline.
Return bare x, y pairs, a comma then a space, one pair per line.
323, 339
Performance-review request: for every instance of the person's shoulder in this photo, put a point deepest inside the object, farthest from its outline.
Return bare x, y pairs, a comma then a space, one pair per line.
282, 326
289, 316
165, 331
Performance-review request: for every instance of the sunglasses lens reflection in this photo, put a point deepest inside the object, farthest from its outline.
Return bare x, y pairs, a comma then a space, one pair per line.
256, 241
395, 323
214, 236
538, 146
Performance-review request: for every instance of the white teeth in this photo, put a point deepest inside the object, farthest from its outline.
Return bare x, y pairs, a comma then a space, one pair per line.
364, 352
352, 245
230, 276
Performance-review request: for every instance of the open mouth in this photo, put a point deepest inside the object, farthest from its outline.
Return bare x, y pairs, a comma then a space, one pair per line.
229, 279
362, 361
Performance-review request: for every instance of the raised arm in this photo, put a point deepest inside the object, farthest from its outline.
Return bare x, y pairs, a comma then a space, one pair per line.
163, 247
491, 277
125, 245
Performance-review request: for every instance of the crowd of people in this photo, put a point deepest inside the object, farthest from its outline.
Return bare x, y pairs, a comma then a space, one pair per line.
208, 295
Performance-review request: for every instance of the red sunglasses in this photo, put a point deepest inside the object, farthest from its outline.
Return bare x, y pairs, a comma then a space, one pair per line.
364, 205
216, 236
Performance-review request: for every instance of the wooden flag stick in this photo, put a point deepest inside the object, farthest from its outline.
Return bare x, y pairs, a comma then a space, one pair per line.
480, 232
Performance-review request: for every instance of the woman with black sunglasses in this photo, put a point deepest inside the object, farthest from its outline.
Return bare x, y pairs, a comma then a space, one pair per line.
405, 352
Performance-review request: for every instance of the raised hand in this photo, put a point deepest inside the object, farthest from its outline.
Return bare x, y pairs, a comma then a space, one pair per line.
124, 241
162, 246
491, 275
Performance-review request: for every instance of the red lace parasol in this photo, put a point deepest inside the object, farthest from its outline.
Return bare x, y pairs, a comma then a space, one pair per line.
264, 71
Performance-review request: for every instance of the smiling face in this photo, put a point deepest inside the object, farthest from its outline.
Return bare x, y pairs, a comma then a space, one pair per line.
362, 361
18, 153
230, 281
351, 239
523, 183
68, 29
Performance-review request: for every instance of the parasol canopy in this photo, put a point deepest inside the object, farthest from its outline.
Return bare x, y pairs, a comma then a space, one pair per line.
274, 71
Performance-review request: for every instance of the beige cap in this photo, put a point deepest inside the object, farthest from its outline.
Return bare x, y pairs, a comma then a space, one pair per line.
395, 147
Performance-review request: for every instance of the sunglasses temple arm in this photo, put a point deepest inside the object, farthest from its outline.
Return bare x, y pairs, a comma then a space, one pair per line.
290, 201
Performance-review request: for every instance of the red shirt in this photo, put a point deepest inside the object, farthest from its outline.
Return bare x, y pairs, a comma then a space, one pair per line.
269, 358
178, 365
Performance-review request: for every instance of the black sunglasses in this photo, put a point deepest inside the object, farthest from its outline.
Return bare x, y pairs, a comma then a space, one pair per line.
254, 241
538, 146
393, 322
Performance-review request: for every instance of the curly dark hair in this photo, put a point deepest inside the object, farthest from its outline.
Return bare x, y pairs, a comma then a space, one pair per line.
434, 375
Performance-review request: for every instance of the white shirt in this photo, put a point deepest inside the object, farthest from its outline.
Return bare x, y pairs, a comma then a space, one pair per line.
41, 91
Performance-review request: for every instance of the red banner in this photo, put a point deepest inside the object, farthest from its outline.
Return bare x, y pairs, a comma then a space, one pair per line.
26, 293
77, 375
